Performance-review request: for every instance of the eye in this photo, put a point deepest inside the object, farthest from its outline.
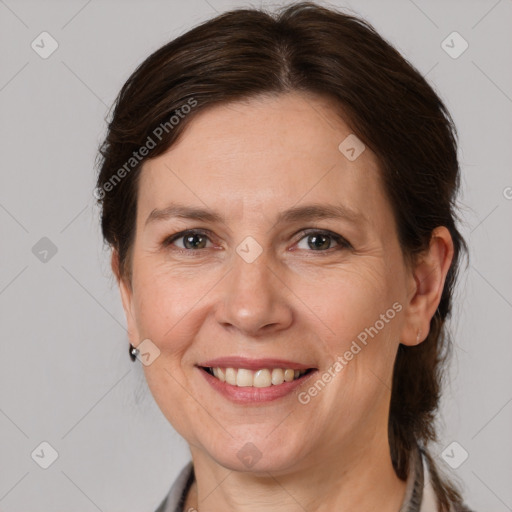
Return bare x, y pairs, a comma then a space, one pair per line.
193, 240
322, 241
190, 240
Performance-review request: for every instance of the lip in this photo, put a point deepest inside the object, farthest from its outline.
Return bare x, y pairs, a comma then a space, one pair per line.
251, 395
253, 364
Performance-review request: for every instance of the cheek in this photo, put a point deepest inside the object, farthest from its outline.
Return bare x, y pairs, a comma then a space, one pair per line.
359, 311
170, 304
350, 299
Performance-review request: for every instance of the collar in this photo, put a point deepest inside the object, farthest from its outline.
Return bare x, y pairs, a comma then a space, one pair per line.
419, 493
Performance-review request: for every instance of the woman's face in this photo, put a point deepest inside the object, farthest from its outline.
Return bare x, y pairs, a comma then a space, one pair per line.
297, 260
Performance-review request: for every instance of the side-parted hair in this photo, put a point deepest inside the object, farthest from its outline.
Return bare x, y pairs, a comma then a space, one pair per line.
245, 53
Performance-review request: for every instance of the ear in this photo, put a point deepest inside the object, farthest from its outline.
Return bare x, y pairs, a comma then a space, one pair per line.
125, 289
427, 279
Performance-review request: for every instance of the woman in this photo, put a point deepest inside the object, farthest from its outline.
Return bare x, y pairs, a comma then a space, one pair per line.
278, 192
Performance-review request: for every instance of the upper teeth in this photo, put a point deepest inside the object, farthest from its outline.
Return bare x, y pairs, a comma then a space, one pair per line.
260, 378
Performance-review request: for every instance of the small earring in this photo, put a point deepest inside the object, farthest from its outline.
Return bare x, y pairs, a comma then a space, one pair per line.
418, 336
134, 352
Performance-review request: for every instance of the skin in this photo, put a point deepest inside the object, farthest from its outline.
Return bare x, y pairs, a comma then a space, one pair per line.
249, 161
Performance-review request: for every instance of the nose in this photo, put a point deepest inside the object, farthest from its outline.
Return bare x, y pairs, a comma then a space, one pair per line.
254, 299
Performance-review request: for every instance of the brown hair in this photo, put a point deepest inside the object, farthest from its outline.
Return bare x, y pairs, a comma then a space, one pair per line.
388, 104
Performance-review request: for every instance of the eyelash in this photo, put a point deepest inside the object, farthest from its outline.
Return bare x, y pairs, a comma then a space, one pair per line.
342, 242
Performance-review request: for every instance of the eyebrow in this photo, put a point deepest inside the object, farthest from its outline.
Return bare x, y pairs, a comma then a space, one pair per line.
294, 214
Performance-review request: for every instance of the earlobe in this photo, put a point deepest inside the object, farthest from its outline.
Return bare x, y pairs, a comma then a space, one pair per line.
429, 275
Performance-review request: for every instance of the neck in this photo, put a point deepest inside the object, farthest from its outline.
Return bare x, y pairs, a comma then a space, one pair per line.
362, 480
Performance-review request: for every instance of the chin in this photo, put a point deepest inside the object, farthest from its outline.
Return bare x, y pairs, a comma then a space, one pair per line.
258, 456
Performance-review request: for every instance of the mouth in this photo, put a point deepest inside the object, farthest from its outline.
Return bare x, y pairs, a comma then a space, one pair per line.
255, 381
260, 378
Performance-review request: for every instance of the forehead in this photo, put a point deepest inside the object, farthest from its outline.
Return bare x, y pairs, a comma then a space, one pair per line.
267, 152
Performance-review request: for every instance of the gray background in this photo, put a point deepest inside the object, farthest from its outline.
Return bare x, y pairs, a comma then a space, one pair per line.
65, 375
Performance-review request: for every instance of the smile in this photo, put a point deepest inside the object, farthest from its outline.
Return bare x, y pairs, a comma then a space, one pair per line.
262, 378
